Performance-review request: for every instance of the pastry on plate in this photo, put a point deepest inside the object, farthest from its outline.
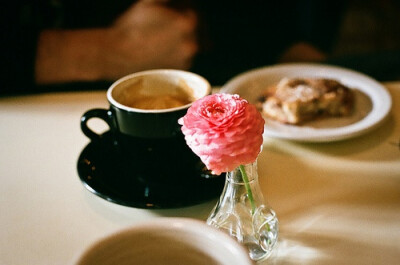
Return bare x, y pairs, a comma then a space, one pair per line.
297, 100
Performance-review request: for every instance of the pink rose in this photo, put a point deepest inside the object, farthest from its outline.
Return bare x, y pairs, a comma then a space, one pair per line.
224, 130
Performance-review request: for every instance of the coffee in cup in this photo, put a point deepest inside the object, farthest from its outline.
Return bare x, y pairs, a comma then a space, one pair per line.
149, 164
148, 104
156, 93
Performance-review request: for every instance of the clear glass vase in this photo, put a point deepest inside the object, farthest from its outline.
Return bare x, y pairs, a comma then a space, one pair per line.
242, 213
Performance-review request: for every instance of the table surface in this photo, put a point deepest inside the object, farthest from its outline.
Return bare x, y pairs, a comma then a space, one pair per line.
337, 203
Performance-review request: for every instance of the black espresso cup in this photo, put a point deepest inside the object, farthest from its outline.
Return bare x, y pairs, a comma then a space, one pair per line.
148, 104
145, 151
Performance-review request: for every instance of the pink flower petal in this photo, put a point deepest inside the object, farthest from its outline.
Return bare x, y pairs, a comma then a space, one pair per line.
224, 130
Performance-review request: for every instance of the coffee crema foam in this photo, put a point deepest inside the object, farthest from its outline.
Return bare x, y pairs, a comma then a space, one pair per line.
159, 102
155, 94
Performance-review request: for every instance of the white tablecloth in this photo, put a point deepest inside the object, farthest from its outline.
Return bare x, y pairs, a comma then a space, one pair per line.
338, 203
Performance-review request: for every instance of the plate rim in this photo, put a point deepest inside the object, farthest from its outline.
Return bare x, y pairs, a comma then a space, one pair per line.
380, 98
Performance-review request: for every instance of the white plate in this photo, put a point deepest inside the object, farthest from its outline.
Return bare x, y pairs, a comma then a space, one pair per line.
373, 101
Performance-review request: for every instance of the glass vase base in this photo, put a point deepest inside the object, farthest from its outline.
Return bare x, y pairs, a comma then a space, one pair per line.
261, 245
242, 213
259, 236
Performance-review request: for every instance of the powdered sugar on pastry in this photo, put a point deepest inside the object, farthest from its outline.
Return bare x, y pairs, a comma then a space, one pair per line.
296, 100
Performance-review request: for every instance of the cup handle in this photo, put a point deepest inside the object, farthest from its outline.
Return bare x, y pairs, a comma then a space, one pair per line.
103, 114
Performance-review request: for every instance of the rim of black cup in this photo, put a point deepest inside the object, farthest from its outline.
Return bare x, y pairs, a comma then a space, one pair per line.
183, 74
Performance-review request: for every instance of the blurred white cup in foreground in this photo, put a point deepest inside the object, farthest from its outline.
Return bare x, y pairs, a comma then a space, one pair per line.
167, 241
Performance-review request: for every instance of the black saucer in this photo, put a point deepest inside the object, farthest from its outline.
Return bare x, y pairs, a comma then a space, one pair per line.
150, 175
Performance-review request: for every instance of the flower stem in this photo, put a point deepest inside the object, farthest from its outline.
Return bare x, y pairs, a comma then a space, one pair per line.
248, 188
